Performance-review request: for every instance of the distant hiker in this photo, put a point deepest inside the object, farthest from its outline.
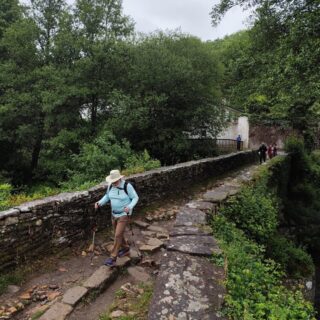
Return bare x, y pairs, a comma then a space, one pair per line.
270, 151
262, 152
274, 150
238, 142
123, 198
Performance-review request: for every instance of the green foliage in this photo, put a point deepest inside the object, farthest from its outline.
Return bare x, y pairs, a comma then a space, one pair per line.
5, 191
275, 59
139, 163
7, 279
254, 212
37, 314
253, 283
99, 157
67, 74
137, 303
295, 261
302, 204
96, 159
175, 92
295, 145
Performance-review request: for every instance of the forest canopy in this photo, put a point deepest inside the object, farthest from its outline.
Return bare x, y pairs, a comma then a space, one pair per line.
80, 90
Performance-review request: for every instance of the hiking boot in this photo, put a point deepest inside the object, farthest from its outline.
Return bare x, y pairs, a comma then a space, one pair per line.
111, 262
123, 252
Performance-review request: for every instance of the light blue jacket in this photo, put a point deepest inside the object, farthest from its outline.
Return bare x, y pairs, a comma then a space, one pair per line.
119, 199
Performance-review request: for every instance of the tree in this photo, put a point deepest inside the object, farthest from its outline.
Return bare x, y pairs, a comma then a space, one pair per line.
280, 62
101, 26
173, 92
32, 85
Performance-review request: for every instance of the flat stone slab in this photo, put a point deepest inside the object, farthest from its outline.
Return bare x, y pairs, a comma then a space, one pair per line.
157, 229
148, 233
123, 261
215, 196
202, 205
187, 288
100, 277
190, 217
149, 248
230, 189
141, 224
59, 311
184, 231
155, 242
74, 295
195, 245
139, 273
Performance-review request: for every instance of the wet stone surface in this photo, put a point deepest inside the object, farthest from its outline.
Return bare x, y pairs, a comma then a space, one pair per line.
202, 205
195, 245
190, 217
184, 231
188, 288
215, 196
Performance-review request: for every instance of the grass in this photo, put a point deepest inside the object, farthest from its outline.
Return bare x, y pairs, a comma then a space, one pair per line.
37, 314
137, 304
15, 277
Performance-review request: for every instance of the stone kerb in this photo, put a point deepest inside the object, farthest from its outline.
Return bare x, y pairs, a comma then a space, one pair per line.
36, 227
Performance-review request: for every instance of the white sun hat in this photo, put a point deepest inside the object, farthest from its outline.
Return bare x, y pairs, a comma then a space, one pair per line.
114, 176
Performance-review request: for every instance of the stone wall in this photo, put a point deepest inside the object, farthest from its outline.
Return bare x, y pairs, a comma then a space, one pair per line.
268, 135
43, 226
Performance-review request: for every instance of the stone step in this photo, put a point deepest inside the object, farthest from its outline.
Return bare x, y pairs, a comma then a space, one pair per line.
99, 280
194, 245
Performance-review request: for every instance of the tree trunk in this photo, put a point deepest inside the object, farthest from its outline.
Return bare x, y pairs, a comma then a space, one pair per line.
35, 154
94, 108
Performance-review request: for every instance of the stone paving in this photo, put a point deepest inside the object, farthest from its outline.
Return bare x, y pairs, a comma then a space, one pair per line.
97, 281
189, 286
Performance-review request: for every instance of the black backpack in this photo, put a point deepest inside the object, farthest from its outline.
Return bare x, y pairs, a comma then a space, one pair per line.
125, 187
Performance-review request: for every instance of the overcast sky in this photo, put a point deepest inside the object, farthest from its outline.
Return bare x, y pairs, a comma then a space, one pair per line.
191, 16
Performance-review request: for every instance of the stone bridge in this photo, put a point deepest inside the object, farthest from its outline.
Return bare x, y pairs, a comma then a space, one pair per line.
42, 226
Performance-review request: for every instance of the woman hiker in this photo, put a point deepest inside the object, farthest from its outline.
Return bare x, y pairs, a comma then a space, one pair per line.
123, 198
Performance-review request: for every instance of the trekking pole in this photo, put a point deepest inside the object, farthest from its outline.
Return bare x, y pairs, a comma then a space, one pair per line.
92, 253
94, 229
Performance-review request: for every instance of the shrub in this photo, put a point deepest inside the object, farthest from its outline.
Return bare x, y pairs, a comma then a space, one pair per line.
254, 287
294, 144
5, 190
254, 212
296, 262
139, 163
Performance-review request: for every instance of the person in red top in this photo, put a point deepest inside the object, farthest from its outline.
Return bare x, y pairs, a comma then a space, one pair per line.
270, 151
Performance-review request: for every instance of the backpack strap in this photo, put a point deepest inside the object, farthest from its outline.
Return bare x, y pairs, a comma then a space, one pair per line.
125, 188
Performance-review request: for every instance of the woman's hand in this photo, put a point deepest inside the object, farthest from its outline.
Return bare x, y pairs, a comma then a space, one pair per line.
96, 205
126, 210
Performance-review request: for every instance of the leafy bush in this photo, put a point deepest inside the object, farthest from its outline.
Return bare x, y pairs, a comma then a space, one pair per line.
296, 262
5, 190
89, 167
302, 204
254, 212
254, 284
96, 159
139, 163
294, 144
